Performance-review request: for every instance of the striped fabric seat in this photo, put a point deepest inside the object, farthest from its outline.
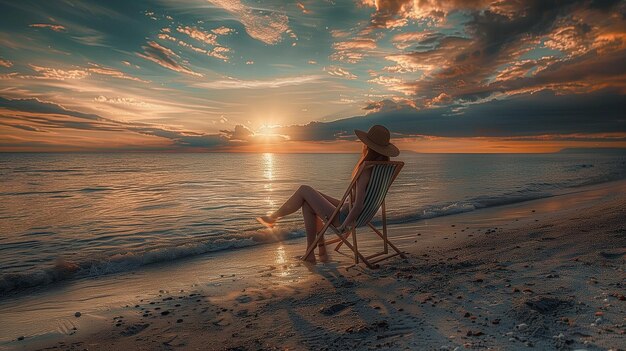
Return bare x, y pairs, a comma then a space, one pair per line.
380, 181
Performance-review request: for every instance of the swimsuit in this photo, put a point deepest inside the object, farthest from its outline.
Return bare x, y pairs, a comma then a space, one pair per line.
343, 214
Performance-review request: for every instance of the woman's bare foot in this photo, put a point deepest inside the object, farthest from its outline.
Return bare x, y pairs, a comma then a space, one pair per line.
266, 221
310, 259
323, 254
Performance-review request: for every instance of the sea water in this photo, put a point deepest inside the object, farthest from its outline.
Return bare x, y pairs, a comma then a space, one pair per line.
72, 215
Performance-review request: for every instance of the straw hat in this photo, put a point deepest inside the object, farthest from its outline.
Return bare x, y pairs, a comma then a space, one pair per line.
377, 139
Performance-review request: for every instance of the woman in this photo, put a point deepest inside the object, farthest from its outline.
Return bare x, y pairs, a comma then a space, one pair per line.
316, 205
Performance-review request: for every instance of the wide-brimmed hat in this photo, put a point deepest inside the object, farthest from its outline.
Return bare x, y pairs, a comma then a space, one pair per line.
377, 139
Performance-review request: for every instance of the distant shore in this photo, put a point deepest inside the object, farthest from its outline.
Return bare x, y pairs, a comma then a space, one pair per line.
543, 274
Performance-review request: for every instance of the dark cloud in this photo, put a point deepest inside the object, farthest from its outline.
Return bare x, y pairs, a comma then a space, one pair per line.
164, 57
38, 106
49, 116
387, 105
604, 4
488, 60
21, 126
240, 133
522, 115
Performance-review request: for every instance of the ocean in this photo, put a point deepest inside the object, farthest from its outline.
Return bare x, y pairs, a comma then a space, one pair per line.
67, 216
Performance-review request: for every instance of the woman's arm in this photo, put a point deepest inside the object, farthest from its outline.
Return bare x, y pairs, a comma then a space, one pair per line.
357, 207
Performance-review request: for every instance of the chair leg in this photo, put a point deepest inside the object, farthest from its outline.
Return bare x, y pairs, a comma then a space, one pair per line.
341, 242
384, 228
365, 260
356, 249
386, 240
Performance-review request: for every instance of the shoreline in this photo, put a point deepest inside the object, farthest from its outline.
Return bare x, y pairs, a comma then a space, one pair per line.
67, 272
269, 284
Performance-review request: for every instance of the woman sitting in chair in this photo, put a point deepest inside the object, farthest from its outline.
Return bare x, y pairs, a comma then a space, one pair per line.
317, 206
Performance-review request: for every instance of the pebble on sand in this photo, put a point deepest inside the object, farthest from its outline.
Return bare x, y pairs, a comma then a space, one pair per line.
77, 314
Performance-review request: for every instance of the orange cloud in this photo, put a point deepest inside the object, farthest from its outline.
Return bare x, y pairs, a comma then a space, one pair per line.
219, 52
199, 35
352, 51
223, 30
339, 72
111, 72
267, 27
59, 74
53, 27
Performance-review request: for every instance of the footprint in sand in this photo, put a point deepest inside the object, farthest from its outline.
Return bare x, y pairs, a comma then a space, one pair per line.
336, 308
134, 329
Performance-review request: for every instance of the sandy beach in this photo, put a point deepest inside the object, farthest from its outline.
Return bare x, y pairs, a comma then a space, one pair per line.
543, 274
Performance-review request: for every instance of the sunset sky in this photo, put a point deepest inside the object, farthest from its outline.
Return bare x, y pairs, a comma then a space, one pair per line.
299, 76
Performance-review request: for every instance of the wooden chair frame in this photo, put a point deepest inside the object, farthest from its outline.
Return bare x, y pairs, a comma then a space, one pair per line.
342, 237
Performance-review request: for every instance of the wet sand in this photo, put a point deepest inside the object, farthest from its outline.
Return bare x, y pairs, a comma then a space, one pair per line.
544, 274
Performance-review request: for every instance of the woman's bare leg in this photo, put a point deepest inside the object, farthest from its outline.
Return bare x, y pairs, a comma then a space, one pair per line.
320, 205
330, 199
310, 224
322, 246
313, 225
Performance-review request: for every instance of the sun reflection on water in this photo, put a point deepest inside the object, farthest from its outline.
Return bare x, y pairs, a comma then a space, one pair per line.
280, 255
268, 172
281, 261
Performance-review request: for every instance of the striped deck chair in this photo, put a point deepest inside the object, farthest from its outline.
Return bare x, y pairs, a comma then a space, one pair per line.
382, 176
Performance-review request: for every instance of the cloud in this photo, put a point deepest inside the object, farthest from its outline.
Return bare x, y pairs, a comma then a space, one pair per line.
243, 135
233, 83
240, 133
112, 72
219, 52
389, 105
442, 49
123, 101
521, 115
392, 84
339, 72
53, 27
303, 8
165, 58
409, 39
38, 106
58, 74
5, 63
198, 34
498, 53
65, 129
361, 43
49, 73
583, 75
353, 51
39, 116
441, 99
397, 13
222, 30
266, 26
